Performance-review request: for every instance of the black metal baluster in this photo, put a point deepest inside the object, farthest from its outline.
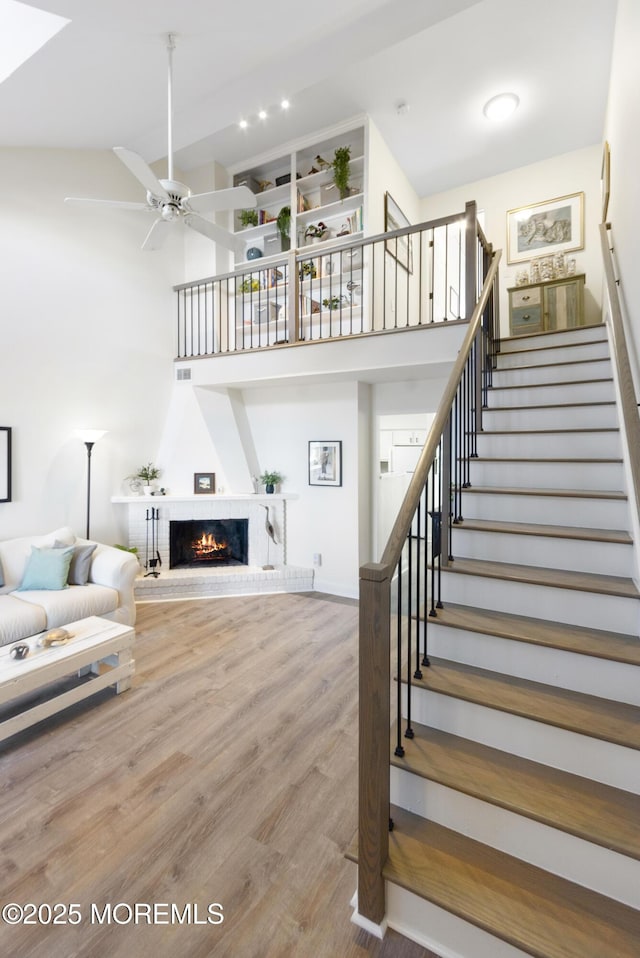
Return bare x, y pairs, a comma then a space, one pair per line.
440, 474
409, 729
418, 605
425, 617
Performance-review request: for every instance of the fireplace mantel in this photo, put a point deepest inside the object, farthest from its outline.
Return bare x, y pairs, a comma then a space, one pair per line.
262, 551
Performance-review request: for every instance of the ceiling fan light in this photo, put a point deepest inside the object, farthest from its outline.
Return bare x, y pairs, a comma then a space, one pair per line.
501, 106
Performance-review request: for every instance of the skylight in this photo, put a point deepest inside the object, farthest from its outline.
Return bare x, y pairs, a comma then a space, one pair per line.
23, 31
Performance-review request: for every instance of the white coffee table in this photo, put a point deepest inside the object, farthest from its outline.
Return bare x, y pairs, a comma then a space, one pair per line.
95, 642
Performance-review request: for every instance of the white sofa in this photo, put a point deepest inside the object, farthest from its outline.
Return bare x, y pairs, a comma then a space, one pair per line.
108, 591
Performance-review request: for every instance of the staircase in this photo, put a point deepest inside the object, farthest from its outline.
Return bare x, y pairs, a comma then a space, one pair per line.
516, 806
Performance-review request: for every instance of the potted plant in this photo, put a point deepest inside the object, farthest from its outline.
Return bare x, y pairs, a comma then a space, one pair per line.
249, 285
270, 480
248, 218
332, 303
308, 270
315, 232
342, 170
144, 476
283, 223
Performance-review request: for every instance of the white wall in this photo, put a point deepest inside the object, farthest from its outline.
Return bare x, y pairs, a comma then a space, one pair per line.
323, 520
574, 172
623, 134
87, 337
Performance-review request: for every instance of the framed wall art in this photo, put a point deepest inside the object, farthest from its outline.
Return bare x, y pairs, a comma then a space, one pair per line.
204, 483
325, 463
555, 226
400, 247
5, 463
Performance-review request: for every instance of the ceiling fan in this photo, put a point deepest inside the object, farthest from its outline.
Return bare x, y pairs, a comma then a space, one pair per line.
171, 200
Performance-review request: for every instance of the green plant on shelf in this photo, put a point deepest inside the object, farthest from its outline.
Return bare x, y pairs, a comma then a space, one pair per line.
342, 170
308, 270
248, 218
249, 285
283, 222
332, 303
315, 230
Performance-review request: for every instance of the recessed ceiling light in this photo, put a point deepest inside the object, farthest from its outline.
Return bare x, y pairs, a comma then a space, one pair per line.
262, 114
285, 104
243, 124
501, 106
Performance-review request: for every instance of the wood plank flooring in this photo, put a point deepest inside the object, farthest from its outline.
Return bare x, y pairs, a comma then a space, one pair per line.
227, 774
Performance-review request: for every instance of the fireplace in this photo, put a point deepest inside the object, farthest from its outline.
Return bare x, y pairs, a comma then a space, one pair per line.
198, 543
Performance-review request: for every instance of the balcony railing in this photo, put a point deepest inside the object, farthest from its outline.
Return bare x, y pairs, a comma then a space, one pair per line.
406, 279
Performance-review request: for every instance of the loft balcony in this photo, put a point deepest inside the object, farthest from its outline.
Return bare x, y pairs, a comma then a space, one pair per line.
388, 289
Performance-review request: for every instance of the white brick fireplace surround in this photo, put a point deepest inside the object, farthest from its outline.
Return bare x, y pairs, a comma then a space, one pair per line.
227, 580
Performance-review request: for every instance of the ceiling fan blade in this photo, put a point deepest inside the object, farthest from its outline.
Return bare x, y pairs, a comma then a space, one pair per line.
157, 235
214, 232
235, 198
116, 204
142, 172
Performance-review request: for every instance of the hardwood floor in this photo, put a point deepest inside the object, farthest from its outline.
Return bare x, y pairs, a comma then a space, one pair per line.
227, 774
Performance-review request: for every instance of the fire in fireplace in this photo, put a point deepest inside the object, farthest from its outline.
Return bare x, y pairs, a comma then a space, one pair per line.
195, 543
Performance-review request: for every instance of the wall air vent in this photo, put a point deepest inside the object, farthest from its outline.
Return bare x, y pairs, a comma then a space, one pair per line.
183, 373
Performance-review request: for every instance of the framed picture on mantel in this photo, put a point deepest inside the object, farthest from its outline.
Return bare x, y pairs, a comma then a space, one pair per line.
5, 463
204, 483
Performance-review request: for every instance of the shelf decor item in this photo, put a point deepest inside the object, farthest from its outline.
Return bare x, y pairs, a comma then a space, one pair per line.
399, 248
283, 223
270, 480
555, 226
248, 218
325, 463
342, 170
145, 475
315, 232
5, 463
308, 270
254, 253
204, 483
332, 303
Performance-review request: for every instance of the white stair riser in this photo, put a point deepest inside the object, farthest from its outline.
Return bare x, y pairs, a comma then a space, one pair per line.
592, 866
566, 511
440, 931
563, 416
588, 350
559, 338
587, 445
592, 758
577, 555
538, 474
550, 393
537, 663
551, 373
593, 610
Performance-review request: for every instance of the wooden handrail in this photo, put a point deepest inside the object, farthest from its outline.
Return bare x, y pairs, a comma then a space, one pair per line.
628, 398
374, 661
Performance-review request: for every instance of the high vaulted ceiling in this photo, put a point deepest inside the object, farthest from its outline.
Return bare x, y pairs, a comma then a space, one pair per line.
101, 82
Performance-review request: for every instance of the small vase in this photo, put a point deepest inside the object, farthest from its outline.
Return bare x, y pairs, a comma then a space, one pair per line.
269, 488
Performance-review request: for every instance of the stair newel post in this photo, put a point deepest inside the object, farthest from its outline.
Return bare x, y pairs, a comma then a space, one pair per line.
373, 760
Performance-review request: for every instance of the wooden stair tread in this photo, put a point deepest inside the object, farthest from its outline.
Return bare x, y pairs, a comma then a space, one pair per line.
613, 646
572, 459
553, 405
562, 493
560, 382
589, 810
544, 432
539, 575
619, 536
558, 362
588, 715
546, 916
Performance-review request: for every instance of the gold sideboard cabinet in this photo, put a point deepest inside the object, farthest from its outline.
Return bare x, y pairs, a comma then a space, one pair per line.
552, 304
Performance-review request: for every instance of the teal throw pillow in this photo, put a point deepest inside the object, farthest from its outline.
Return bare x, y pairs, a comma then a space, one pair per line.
46, 569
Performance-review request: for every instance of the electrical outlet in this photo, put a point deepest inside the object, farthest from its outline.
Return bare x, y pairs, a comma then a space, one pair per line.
317, 559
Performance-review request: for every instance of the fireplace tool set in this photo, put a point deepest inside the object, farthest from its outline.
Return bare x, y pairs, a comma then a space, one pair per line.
152, 555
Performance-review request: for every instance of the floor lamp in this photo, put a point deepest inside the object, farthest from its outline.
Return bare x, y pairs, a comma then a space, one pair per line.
89, 438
